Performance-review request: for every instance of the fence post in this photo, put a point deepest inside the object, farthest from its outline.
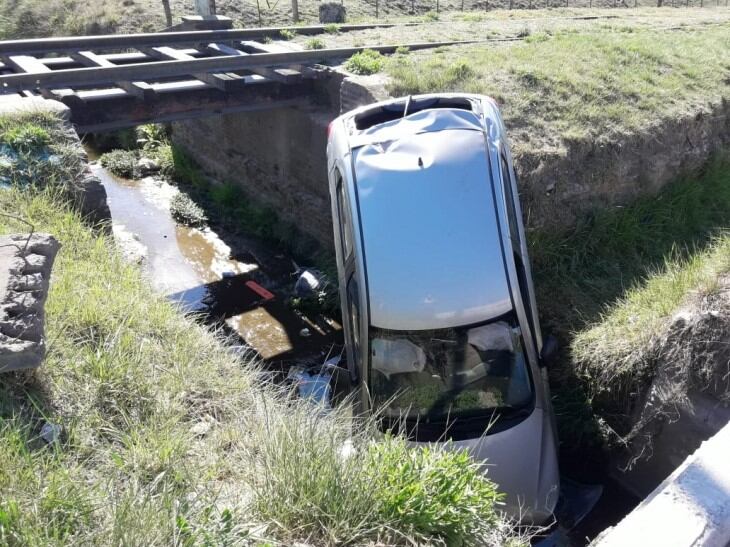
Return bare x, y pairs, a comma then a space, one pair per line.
295, 10
413, 7
205, 7
168, 12
437, 6
377, 9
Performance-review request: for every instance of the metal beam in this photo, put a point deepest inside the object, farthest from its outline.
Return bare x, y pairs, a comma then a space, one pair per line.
120, 41
127, 111
162, 69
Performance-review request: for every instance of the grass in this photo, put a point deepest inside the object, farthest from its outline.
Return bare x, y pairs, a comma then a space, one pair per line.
618, 351
609, 286
315, 43
122, 163
365, 62
618, 81
186, 212
168, 437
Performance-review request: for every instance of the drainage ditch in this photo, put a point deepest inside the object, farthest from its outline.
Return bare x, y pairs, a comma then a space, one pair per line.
243, 287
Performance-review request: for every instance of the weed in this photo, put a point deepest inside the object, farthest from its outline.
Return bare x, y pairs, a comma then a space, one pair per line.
431, 16
315, 43
26, 138
151, 136
186, 212
332, 28
122, 163
286, 34
365, 62
402, 50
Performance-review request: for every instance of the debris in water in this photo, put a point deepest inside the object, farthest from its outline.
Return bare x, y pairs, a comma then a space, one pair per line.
305, 332
308, 282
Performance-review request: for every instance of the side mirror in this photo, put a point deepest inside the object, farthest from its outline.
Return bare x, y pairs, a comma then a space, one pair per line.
549, 351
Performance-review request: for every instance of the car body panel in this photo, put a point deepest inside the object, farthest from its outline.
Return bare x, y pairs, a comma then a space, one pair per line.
423, 198
363, 162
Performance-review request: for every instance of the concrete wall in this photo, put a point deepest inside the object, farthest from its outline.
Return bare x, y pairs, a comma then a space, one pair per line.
278, 158
690, 508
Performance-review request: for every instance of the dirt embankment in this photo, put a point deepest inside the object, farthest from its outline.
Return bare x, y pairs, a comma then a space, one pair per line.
559, 186
688, 399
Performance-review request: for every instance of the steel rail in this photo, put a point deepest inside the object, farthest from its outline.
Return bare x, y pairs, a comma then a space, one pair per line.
69, 44
75, 77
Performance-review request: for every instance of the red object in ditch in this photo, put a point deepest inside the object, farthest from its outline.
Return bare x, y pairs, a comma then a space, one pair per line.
258, 289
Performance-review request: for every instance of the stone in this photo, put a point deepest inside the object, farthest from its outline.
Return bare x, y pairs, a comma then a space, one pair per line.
332, 12
51, 433
147, 166
25, 271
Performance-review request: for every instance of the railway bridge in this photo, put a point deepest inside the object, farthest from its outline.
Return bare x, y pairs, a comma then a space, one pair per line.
116, 81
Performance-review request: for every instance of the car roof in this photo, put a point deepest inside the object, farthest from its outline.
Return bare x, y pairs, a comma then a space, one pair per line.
429, 226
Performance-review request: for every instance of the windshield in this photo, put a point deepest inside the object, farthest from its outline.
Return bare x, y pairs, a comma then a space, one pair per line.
446, 373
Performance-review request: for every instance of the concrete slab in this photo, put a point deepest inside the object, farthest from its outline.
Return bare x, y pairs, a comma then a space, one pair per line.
25, 270
690, 508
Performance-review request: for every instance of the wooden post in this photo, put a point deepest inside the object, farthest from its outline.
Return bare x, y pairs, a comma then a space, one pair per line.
205, 7
462, 4
377, 9
295, 10
168, 12
437, 6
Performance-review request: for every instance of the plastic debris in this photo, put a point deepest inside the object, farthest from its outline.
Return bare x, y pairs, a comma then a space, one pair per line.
305, 332
309, 281
314, 387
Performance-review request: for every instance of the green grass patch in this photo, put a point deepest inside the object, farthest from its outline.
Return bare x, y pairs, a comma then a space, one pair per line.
186, 212
617, 81
122, 163
315, 43
130, 380
286, 34
365, 62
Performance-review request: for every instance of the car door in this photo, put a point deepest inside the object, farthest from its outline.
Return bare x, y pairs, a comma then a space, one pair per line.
349, 288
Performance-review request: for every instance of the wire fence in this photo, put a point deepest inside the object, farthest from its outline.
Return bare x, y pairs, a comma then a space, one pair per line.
281, 12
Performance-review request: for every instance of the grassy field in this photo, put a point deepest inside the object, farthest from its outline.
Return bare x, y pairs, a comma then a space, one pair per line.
620, 80
33, 18
168, 437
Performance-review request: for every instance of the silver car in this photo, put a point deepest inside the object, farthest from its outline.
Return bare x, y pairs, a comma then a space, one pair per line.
438, 304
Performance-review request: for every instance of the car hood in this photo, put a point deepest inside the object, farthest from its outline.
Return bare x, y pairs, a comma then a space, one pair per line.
522, 461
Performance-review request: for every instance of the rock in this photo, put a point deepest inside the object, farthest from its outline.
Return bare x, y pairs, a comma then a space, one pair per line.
25, 270
133, 250
51, 433
147, 166
332, 12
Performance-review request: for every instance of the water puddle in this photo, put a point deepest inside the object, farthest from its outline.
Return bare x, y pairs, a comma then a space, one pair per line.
197, 269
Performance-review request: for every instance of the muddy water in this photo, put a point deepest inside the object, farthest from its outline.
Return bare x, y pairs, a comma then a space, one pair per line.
197, 269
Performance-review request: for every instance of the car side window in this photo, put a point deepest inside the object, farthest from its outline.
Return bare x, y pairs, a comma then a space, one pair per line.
515, 237
353, 298
511, 209
345, 219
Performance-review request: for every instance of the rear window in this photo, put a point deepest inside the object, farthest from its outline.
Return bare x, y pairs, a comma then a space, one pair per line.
395, 111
